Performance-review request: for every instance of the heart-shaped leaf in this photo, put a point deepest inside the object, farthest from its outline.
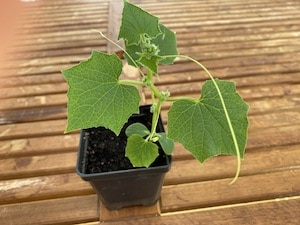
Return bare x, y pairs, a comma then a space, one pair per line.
201, 125
95, 96
140, 152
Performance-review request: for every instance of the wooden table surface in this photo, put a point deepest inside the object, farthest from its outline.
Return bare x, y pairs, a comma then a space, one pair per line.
254, 43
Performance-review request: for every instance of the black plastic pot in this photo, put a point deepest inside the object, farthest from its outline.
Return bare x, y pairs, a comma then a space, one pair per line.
135, 186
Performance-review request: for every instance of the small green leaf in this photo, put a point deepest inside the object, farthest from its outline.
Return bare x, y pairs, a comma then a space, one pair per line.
140, 152
167, 144
137, 128
201, 125
151, 63
166, 43
135, 22
95, 96
136, 54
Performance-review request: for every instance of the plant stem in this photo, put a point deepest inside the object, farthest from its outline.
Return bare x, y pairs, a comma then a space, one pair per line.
150, 81
132, 82
155, 118
174, 99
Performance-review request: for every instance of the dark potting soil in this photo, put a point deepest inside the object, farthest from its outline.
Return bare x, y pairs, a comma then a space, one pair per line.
106, 151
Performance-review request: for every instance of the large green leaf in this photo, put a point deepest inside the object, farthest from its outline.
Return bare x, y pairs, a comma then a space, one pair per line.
95, 96
201, 125
136, 21
140, 151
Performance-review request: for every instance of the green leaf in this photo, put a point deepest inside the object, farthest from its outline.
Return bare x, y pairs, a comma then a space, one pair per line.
201, 125
140, 152
137, 128
135, 22
95, 96
167, 44
166, 143
151, 63
133, 51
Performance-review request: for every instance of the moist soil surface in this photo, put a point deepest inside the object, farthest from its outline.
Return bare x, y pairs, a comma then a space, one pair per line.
106, 151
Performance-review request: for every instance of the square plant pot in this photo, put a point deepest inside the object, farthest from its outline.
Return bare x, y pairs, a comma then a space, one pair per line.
115, 181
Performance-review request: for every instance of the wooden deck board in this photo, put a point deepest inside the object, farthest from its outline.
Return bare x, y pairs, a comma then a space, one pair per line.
277, 212
254, 43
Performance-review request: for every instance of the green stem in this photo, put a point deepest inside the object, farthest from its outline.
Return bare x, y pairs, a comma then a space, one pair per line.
154, 94
224, 108
174, 99
132, 82
155, 118
150, 81
155, 91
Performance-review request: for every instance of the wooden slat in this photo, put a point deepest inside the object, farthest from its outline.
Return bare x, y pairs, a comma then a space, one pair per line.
43, 188
37, 165
219, 192
33, 101
54, 211
33, 90
276, 212
29, 146
30, 80
21, 130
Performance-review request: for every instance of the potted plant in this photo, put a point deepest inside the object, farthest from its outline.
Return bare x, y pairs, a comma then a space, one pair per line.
107, 108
